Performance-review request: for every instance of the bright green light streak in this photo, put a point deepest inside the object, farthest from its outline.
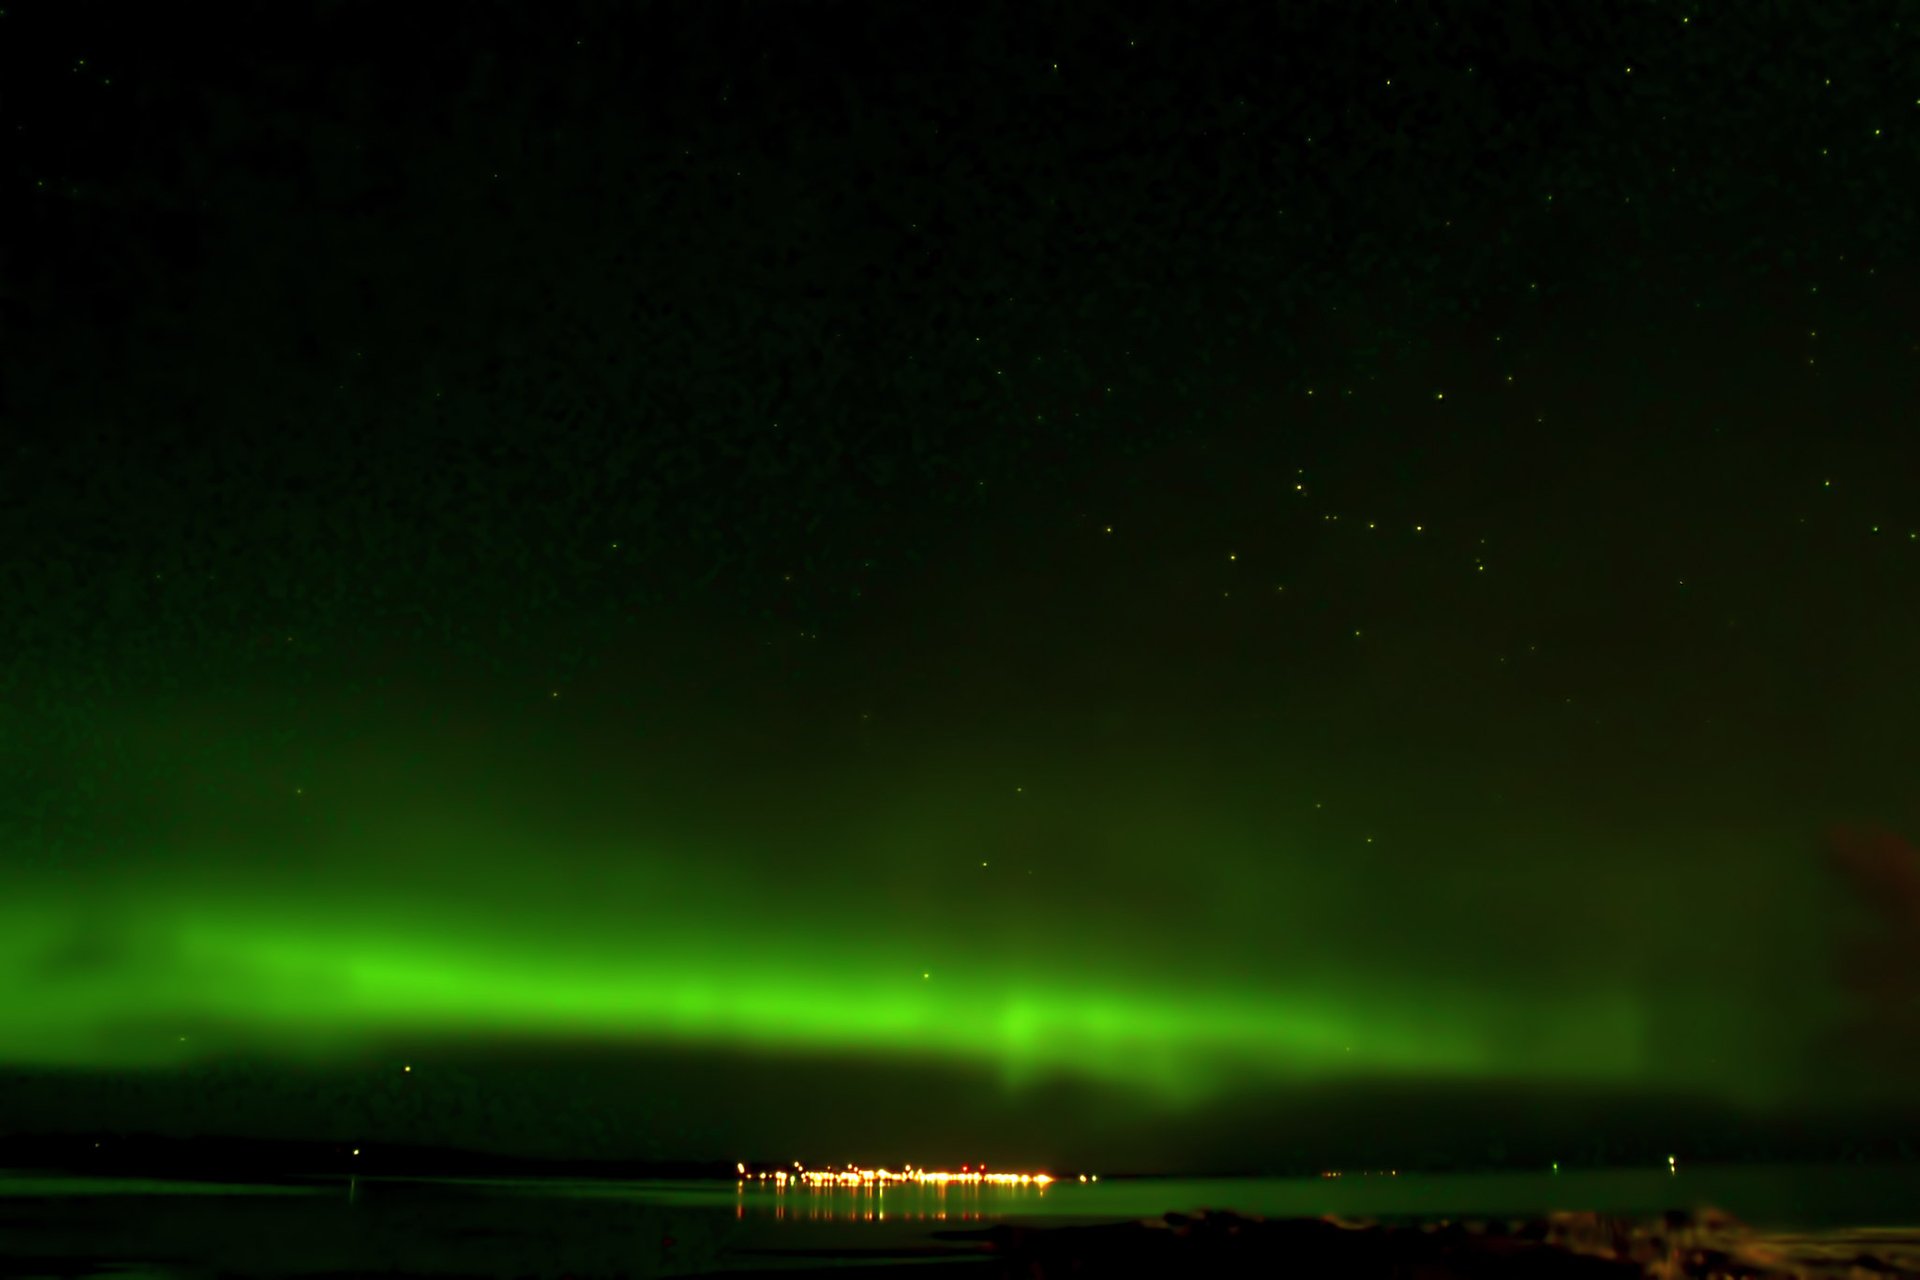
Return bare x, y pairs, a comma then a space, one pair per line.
267, 976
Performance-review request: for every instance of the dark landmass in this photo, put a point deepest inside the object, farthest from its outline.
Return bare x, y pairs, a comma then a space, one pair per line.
155, 1156
167, 1156
1577, 1246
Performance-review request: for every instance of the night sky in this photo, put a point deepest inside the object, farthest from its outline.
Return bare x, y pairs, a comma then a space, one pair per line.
1189, 586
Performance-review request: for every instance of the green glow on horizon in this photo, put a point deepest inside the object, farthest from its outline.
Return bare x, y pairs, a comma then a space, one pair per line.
316, 985
1174, 936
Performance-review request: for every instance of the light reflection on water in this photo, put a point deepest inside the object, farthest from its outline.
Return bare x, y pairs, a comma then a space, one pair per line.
1812, 1196
901, 1202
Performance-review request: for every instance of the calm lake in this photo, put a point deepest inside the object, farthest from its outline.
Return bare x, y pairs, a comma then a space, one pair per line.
477, 1227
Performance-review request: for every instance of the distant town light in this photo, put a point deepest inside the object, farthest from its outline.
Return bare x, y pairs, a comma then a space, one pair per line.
853, 1176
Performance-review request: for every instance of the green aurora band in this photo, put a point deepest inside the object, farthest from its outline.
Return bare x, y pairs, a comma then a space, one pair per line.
396, 894
320, 984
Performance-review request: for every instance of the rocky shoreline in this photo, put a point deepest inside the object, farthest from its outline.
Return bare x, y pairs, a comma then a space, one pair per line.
1579, 1246
1563, 1246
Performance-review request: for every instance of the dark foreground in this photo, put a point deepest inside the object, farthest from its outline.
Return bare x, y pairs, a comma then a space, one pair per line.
1572, 1245
1791, 1224
1577, 1246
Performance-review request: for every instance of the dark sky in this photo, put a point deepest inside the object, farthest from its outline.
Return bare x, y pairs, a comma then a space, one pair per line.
1064, 582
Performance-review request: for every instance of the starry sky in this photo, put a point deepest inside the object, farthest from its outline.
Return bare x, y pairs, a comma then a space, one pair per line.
1060, 582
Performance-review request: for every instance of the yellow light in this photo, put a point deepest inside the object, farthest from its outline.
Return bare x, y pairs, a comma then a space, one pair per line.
854, 1176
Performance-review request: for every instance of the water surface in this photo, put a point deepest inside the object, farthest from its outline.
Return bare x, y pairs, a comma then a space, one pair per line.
156, 1228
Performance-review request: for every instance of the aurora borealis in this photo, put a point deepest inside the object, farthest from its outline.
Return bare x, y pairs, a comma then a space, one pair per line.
639, 580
